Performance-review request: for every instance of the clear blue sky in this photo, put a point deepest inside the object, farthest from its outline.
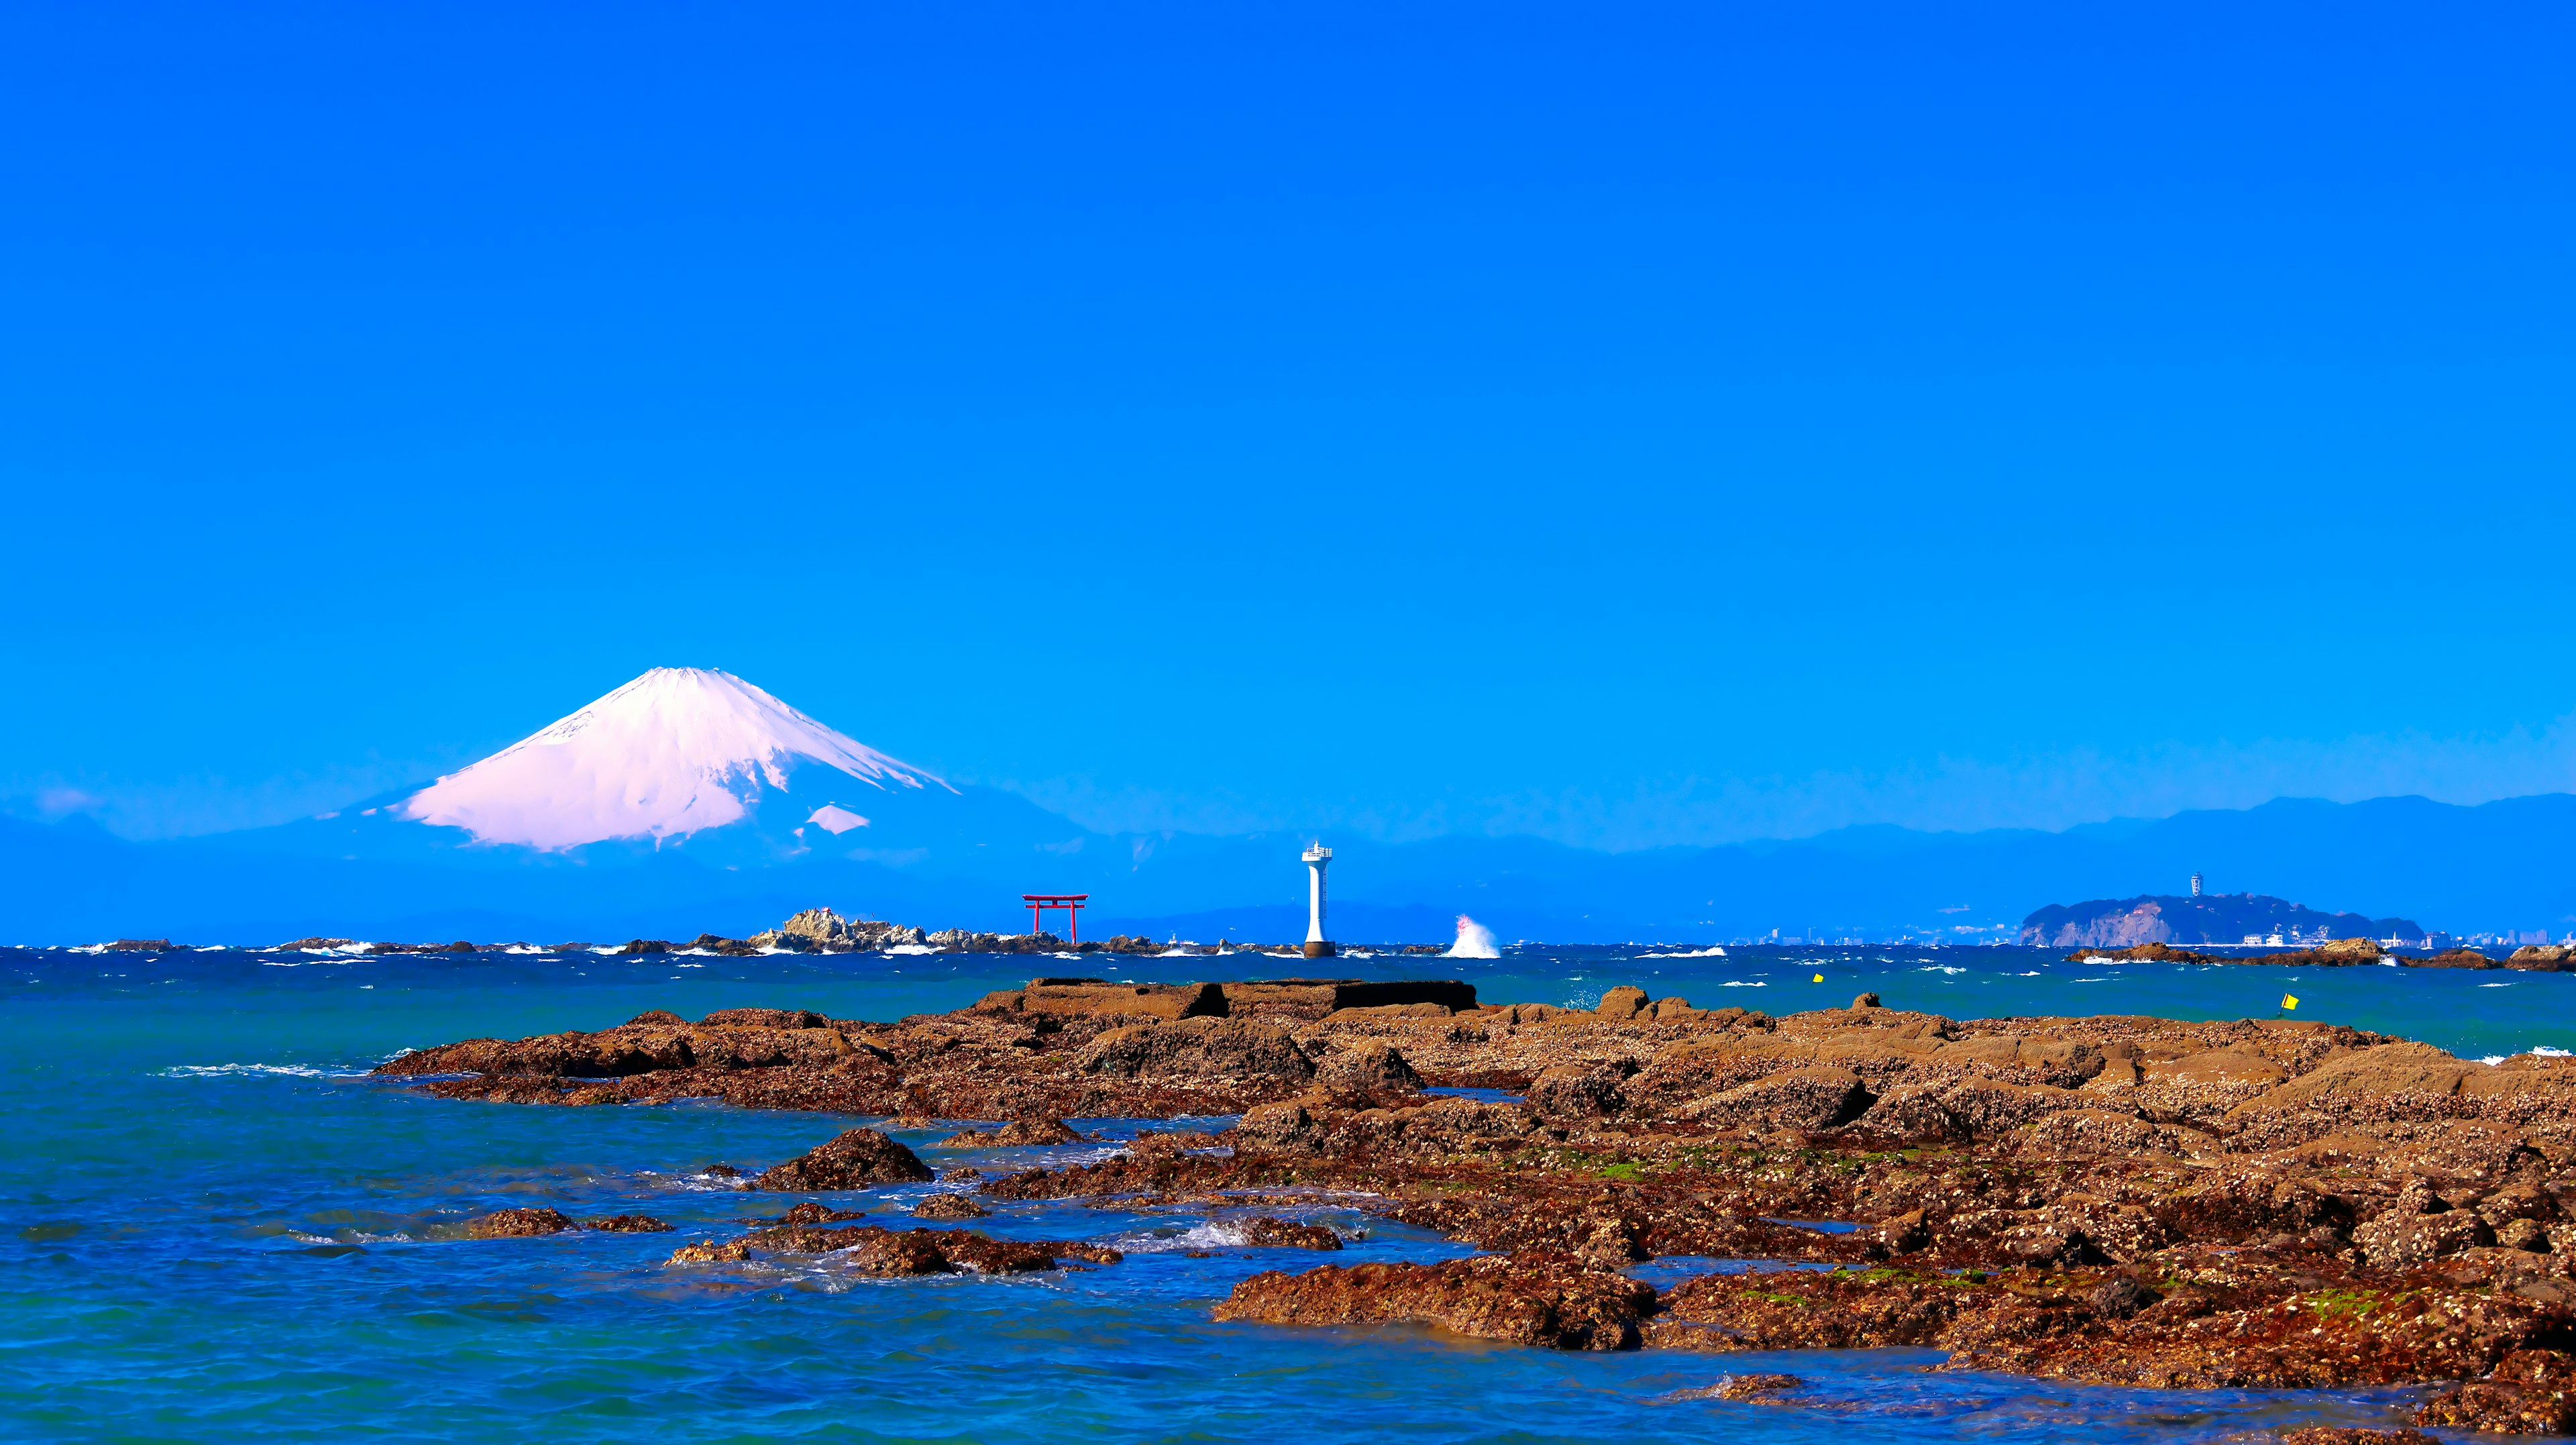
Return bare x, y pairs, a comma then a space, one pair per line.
1625, 424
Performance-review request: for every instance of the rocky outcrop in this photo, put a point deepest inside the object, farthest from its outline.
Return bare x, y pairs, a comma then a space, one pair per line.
1098, 998
820, 930
858, 1159
1016, 1134
1527, 1299
1198, 1047
1370, 1068
2341, 953
2451, 958
949, 1206
518, 1224
887, 1253
1264, 1232
2544, 958
627, 1224
2163, 1203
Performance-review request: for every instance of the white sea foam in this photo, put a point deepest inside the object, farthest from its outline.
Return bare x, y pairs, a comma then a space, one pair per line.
1475, 940
1740, 983
909, 948
1205, 1234
1942, 968
2538, 1051
292, 1071
1694, 953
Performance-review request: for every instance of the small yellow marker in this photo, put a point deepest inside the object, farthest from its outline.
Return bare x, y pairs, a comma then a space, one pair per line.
1820, 978
2289, 1000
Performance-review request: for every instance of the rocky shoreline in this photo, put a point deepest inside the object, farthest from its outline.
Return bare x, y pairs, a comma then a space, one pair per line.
2137, 1201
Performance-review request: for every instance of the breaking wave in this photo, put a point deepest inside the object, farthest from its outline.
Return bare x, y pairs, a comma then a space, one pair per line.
1475, 940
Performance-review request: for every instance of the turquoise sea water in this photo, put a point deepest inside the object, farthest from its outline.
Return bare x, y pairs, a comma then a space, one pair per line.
217, 1228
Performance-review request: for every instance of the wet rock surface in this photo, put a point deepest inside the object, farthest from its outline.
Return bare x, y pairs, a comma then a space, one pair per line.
872, 1250
858, 1159
2135, 1201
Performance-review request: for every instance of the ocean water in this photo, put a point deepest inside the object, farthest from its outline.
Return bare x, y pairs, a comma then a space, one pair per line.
218, 1228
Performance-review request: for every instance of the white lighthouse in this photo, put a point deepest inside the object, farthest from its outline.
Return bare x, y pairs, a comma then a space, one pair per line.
1317, 945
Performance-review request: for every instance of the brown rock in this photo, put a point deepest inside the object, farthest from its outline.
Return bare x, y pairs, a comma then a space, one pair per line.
765, 1018
2352, 1435
2400, 1068
518, 1224
2217, 1066
2450, 958
814, 1211
1268, 1233
1816, 1098
1621, 1004
1373, 1068
2531, 1392
1527, 1299
1754, 1387
1096, 998
1225, 1048
949, 1206
710, 1253
1016, 1134
870, 1249
857, 1159
2121, 1296
1578, 1091
627, 1224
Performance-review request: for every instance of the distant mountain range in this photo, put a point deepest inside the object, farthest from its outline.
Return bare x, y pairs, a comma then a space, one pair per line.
691, 800
2207, 918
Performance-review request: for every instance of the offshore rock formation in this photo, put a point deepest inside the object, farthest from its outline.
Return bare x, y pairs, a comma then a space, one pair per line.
2150, 1202
2341, 953
2172, 918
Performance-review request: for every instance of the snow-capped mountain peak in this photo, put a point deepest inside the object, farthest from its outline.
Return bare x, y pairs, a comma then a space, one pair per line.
676, 751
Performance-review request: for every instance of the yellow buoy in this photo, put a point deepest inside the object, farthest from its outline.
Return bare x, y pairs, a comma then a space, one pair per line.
1820, 978
2289, 1000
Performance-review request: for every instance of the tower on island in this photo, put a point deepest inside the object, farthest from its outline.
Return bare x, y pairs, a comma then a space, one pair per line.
2195, 885
1317, 945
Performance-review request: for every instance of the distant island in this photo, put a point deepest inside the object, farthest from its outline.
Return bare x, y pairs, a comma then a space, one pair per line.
2208, 918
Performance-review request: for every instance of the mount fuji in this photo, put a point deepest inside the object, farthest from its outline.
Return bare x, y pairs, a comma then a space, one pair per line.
690, 768
675, 752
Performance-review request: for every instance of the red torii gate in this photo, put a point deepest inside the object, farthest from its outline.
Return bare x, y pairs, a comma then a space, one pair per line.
1071, 903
